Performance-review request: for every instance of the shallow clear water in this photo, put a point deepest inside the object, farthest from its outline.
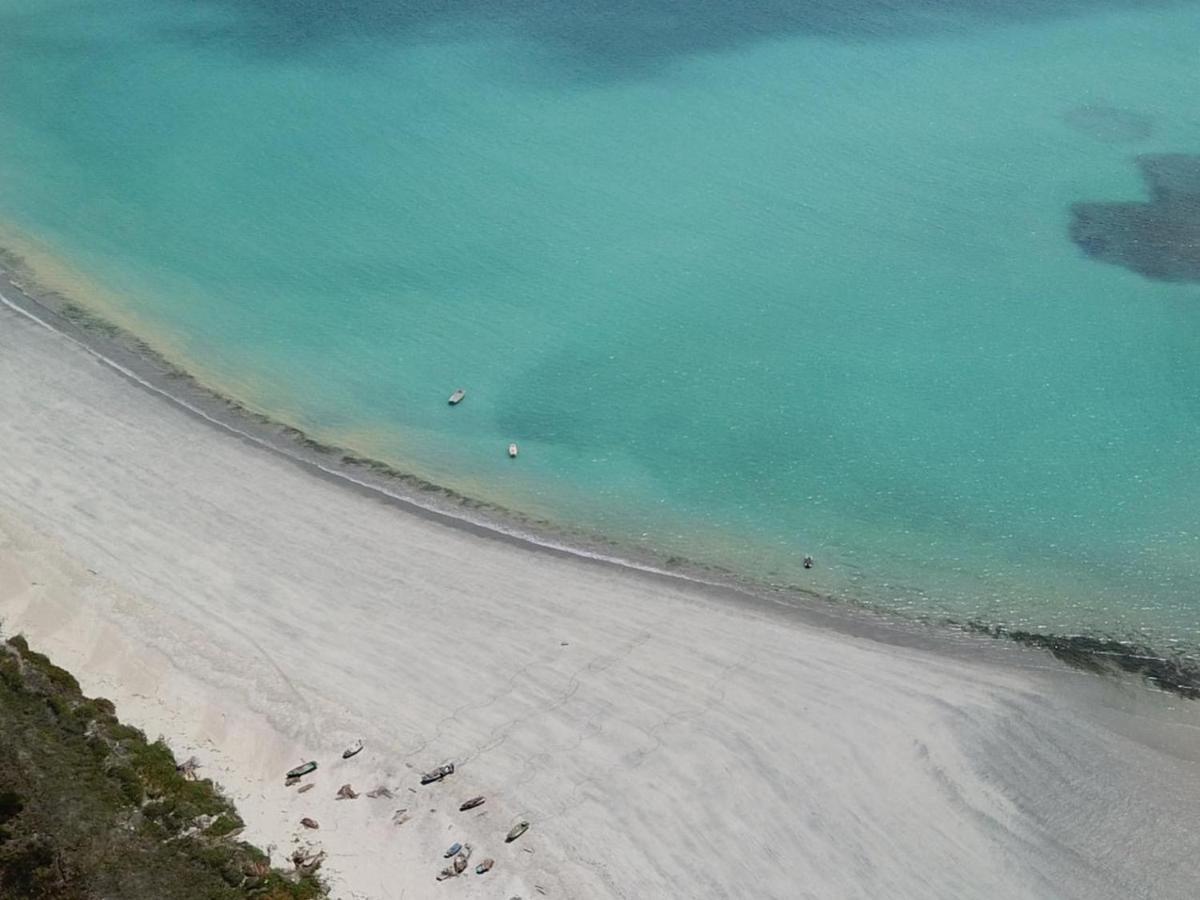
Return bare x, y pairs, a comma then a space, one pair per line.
744, 284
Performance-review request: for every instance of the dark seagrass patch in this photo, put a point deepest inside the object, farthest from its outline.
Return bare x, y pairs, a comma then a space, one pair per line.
1159, 239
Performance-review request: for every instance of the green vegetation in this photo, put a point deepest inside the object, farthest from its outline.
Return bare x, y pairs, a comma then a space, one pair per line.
90, 809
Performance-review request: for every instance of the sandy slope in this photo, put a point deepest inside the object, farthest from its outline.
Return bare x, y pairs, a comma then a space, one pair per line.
663, 741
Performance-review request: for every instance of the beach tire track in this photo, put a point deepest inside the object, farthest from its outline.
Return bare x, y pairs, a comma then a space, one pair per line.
655, 731
637, 757
600, 663
440, 728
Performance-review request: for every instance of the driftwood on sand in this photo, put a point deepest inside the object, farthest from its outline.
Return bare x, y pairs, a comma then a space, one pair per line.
381, 791
306, 787
345, 792
306, 860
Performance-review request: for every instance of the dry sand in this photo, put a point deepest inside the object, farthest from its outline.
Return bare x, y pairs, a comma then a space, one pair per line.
664, 740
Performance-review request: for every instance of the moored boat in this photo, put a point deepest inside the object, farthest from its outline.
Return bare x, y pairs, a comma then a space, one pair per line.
457, 397
512, 450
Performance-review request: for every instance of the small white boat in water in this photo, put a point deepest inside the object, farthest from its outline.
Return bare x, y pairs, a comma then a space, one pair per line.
512, 451
457, 396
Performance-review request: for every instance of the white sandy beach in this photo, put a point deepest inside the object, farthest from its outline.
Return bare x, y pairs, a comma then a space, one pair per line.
663, 740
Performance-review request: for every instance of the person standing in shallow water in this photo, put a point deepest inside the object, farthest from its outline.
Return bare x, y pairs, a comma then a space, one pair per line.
808, 562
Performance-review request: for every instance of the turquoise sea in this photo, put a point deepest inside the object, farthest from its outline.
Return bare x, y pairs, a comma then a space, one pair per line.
746, 281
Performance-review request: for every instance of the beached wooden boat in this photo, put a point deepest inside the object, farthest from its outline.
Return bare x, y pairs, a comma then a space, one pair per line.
438, 774
302, 770
512, 451
352, 750
457, 397
516, 831
471, 804
485, 866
